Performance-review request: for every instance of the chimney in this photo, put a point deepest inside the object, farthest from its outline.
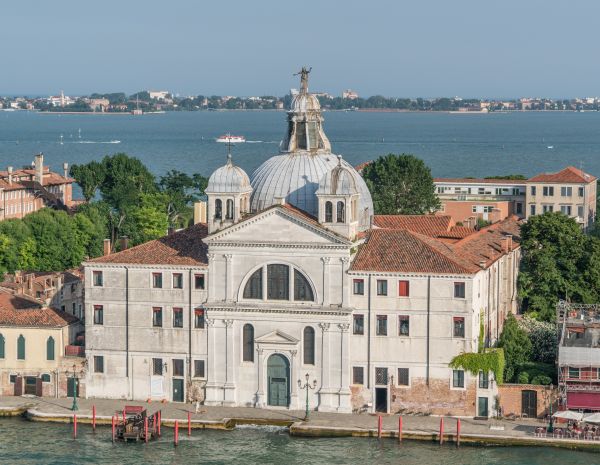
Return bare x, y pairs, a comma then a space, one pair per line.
504, 241
509, 237
106, 249
124, 242
10, 174
39, 168
66, 169
200, 215
482, 264
279, 200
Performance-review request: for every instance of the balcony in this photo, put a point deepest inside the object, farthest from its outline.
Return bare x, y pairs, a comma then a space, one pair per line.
74, 351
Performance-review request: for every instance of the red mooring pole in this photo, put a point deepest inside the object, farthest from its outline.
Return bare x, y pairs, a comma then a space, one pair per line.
442, 430
94, 418
146, 429
457, 432
124, 422
74, 426
176, 438
189, 424
379, 426
158, 423
113, 428
400, 429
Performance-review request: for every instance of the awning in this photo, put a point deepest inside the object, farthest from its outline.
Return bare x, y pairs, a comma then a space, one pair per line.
568, 415
583, 400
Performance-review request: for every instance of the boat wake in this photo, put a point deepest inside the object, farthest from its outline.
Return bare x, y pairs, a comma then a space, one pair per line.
267, 428
96, 142
261, 142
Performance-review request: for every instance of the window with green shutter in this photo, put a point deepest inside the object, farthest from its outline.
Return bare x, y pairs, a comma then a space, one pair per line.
21, 348
1, 346
50, 348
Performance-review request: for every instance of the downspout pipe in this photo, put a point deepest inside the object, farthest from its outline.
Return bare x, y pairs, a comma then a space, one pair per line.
127, 325
190, 322
428, 330
369, 335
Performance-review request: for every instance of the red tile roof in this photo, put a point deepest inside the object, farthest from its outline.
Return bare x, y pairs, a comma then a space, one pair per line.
183, 247
440, 226
479, 181
569, 174
19, 311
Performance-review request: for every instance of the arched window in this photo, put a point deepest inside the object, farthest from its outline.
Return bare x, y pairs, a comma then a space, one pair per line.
50, 348
218, 209
278, 282
302, 289
248, 343
229, 213
328, 212
309, 346
253, 289
340, 212
1, 346
21, 348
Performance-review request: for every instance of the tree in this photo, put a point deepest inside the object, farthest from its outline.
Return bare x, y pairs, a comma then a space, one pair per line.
182, 190
89, 177
517, 347
149, 220
401, 184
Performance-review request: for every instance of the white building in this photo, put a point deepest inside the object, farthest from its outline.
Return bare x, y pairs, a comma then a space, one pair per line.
292, 275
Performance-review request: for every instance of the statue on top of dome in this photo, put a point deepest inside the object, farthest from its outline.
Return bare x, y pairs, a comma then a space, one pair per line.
303, 73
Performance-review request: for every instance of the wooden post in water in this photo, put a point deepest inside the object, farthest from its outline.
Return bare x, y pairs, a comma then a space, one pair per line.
400, 428
176, 438
113, 428
189, 424
441, 430
458, 432
146, 429
159, 420
74, 426
379, 426
94, 418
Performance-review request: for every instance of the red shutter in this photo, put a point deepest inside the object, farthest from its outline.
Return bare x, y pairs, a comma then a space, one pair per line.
403, 289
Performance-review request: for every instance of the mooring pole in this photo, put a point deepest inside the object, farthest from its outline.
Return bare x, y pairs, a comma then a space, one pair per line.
158, 423
146, 429
400, 428
379, 426
94, 418
457, 432
189, 424
176, 438
113, 428
441, 430
74, 426
124, 422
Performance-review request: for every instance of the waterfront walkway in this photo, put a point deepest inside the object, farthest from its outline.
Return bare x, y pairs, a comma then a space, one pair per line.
491, 432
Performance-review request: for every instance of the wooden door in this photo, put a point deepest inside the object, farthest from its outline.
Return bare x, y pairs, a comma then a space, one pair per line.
178, 393
39, 391
529, 403
19, 386
278, 376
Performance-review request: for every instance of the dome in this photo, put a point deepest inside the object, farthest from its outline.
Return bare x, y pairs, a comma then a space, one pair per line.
228, 179
338, 181
302, 103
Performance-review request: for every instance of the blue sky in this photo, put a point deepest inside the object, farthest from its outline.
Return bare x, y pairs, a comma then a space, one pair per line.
478, 48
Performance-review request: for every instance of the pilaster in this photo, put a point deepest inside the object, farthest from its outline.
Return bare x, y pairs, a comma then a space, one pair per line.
229, 386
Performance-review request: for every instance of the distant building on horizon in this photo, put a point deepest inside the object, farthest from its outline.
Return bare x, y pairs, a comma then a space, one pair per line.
349, 94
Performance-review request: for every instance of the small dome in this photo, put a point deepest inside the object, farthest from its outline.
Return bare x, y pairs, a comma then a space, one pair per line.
228, 179
338, 181
302, 103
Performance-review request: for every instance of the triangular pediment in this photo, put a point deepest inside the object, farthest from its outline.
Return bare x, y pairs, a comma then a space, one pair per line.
277, 225
276, 337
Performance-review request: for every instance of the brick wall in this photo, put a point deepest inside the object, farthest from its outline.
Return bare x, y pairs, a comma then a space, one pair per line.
511, 398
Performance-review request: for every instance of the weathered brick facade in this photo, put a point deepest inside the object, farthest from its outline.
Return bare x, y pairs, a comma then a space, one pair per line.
511, 398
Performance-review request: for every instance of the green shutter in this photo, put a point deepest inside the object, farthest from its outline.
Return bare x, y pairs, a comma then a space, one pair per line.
1, 346
50, 348
21, 348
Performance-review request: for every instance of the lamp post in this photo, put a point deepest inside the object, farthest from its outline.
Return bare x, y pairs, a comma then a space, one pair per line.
307, 385
549, 398
75, 379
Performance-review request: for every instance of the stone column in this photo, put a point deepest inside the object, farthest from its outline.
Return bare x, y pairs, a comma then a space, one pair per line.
229, 386
345, 284
294, 380
228, 280
211, 275
345, 404
213, 386
325, 297
260, 393
327, 395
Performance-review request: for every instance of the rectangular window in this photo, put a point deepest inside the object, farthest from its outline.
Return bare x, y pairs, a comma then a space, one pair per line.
73, 307
359, 286
458, 378
580, 211
533, 190
403, 325
157, 366
199, 369
403, 288
98, 315
177, 317
566, 191
359, 324
199, 318
581, 191
199, 281
157, 316
177, 281
382, 287
484, 380
459, 327
548, 191
573, 373
358, 375
519, 208
459, 290
97, 278
403, 379
157, 280
532, 210
12, 379
98, 364
381, 376
381, 329
547, 208
565, 210
177, 367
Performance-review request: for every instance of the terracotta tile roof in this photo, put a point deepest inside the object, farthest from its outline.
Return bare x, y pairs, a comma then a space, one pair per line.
569, 174
183, 247
20, 311
479, 181
429, 225
362, 166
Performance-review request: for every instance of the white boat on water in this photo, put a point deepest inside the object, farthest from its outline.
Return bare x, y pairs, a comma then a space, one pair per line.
231, 139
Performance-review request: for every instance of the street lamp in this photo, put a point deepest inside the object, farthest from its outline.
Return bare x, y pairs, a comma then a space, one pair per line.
307, 386
75, 379
549, 398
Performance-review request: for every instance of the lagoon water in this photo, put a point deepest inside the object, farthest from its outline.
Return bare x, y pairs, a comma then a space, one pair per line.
25, 443
451, 144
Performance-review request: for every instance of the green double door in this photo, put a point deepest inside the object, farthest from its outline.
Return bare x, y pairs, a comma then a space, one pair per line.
278, 380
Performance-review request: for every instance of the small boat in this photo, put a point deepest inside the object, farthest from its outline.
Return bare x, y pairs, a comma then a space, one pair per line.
231, 139
550, 146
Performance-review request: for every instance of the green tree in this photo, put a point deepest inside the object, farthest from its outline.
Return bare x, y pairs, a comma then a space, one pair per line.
182, 190
149, 220
401, 184
89, 177
517, 347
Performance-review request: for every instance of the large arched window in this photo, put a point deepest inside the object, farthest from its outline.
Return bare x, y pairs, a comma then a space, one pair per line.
341, 212
248, 342
229, 213
278, 282
302, 289
328, 212
253, 289
218, 209
309, 346
50, 348
21, 348
2, 346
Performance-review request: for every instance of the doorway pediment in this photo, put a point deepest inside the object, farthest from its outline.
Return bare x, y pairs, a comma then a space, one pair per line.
277, 337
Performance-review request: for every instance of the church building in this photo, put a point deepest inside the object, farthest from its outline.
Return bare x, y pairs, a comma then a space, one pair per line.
292, 277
